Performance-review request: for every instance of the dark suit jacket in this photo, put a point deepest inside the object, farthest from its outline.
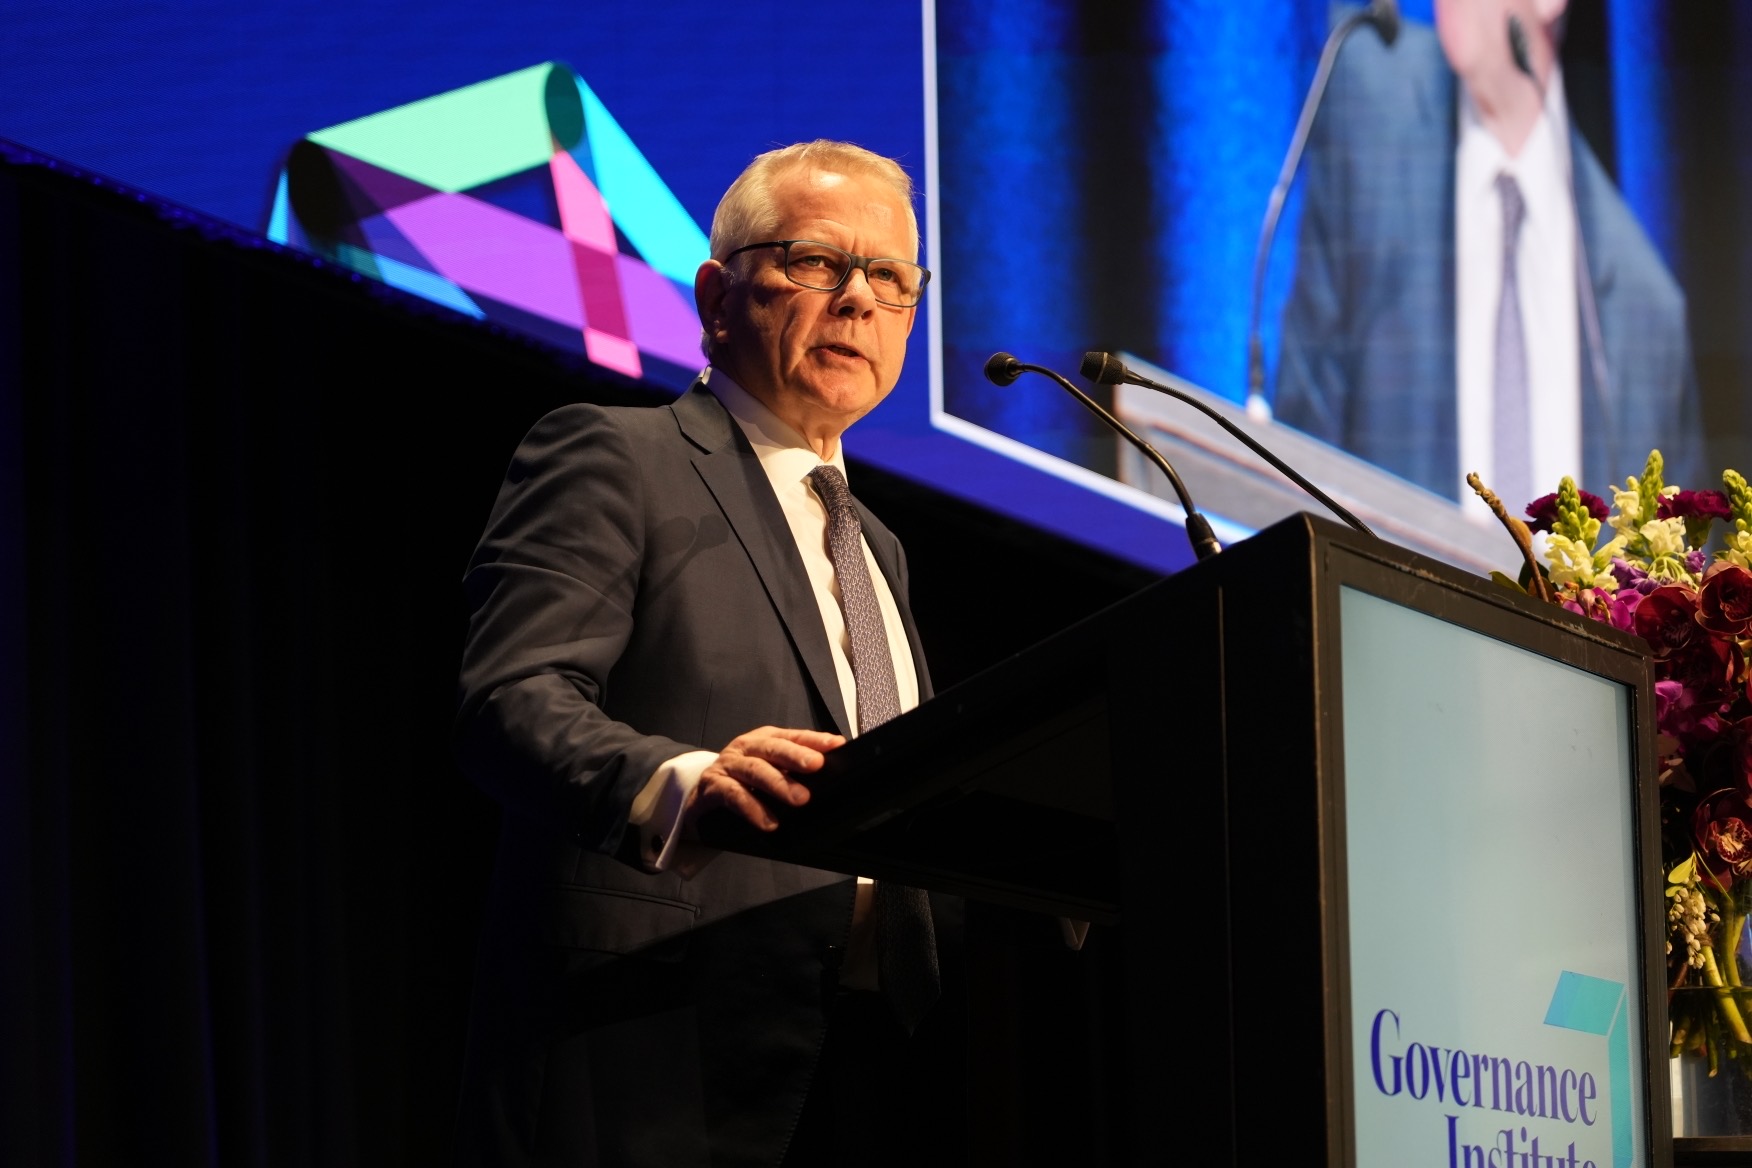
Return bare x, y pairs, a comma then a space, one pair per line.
1367, 361
638, 594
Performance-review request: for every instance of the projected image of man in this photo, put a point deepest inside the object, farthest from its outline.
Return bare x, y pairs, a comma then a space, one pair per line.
1471, 291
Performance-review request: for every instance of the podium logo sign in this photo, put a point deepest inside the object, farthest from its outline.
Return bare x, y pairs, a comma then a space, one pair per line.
1491, 899
1509, 1109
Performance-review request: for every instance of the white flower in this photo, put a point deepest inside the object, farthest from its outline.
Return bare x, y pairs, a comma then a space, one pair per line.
1666, 537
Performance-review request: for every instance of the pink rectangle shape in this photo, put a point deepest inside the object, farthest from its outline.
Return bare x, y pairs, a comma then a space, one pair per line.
615, 353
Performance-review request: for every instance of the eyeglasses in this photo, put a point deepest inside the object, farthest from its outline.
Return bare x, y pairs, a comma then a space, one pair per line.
823, 267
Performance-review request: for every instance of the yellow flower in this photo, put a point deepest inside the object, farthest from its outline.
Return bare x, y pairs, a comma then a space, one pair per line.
1737, 548
1626, 514
1666, 537
1573, 563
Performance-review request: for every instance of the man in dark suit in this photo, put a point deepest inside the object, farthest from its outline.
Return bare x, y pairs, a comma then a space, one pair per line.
1375, 343
657, 633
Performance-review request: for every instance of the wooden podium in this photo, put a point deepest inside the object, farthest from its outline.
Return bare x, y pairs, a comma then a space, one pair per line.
1177, 766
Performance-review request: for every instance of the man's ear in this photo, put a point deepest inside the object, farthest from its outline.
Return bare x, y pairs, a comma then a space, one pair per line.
711, 286
1550, 11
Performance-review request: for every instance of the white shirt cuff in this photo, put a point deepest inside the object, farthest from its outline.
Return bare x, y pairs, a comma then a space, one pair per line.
657, 812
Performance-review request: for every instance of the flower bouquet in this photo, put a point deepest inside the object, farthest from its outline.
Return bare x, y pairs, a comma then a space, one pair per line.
1641, 564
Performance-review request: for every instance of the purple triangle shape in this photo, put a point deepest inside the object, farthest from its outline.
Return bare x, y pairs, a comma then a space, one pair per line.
379, 190
385, 239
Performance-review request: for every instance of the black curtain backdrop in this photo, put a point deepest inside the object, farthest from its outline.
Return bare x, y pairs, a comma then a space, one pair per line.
240, 877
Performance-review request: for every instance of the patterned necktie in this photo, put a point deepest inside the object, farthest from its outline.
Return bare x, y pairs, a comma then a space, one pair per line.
1511, 422
906, 943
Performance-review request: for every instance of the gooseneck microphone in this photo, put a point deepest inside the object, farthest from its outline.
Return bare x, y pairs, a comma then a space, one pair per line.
1590, 306
1384, 15
1003, 369
1106, 369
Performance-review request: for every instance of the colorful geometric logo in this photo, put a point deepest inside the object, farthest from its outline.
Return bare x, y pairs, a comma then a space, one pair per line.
518, 200
1594, 1005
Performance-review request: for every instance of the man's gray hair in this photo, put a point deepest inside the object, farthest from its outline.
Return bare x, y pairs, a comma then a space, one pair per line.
747, 214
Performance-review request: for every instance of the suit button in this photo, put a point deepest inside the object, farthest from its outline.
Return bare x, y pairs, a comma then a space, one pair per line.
832, 956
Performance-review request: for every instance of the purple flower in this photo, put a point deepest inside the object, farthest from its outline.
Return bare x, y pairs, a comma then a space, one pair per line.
1684, 713
1630, 575
1543, 510
1668, 695
1695, 559
1693, 504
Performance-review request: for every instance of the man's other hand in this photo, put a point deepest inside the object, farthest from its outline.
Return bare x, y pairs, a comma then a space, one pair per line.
760, 767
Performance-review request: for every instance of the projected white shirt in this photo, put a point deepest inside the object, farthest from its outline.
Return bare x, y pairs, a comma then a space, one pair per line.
1546, 272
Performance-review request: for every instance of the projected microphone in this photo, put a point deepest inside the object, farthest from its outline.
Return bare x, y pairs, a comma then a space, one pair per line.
1519, 50
1003, 369
1106, 369
1384, 15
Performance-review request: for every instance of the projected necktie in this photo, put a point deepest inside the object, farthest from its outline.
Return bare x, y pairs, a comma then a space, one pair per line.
1511, 420
906, 944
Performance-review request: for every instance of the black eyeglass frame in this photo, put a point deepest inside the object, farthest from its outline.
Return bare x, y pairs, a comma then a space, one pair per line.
859, 264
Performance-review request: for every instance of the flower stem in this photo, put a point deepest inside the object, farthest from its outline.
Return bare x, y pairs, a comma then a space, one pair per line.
1538, 585
1727, 1007
1733, 924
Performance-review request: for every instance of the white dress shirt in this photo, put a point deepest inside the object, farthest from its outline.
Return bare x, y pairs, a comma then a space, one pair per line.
1546, 274
787, 460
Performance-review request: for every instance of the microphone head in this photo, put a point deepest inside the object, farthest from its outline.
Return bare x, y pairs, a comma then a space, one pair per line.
1002, 369
1102, 368
1384, 15
1518, 47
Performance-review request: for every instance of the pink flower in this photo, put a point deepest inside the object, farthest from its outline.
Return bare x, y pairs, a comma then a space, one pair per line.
1711, 665
1543, 510
1622, 611
1693, 504
1667, 620
1722, 824
1724, 603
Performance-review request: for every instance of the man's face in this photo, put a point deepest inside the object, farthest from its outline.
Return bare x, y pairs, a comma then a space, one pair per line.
1475, 33
819, 360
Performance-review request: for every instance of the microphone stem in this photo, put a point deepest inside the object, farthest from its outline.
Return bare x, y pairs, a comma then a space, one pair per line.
1281, 192
1252, 444
1198, 528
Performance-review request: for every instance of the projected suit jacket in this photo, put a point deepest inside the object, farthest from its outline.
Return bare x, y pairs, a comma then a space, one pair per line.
638, 593
1368, 352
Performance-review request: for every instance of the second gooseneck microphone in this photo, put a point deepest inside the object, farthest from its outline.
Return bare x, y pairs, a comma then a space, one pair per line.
1106, 369
1003, 369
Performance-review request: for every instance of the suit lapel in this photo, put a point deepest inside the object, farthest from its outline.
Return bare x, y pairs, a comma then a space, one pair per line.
1600, 405
733, 474
1440, 102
